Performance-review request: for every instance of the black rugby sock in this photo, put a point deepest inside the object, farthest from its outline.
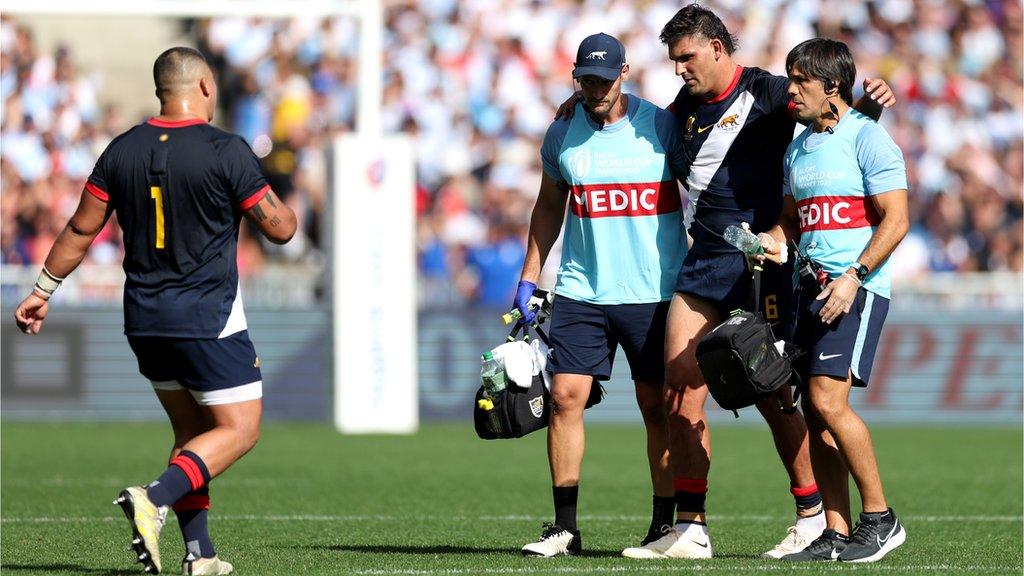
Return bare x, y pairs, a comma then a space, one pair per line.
565, 505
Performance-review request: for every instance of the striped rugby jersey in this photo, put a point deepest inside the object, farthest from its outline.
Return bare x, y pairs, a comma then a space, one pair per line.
624, 240
831, 177
734, 148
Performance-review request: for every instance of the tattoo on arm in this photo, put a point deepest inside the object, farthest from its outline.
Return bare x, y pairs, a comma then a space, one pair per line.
75, 229
275, 221
258, 212
270, 198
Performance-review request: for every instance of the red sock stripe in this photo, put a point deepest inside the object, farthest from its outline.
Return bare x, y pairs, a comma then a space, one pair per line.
694, 485
805, 491
195, 475
193, 502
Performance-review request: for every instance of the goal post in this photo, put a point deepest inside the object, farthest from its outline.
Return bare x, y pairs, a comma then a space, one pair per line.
374, 285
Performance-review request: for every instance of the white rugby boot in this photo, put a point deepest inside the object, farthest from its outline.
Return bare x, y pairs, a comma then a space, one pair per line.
798, 536
555, 541
192, 566
685, 540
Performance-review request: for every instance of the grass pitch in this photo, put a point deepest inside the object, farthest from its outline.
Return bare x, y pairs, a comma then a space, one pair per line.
309, 501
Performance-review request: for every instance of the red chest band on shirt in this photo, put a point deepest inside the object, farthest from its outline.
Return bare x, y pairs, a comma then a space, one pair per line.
836, 213
624, 199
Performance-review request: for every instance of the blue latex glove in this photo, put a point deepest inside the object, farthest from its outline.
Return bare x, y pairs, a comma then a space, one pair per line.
522, 302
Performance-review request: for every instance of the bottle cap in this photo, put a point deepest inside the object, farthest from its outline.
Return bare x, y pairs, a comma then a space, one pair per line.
488, 355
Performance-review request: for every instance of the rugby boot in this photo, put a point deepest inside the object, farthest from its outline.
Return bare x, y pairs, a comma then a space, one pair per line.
192, 566
146, 519
555, 541
797, 538
690, 544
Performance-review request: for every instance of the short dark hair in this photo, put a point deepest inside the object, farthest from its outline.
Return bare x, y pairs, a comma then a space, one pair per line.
827, 60
695, 19
176, 68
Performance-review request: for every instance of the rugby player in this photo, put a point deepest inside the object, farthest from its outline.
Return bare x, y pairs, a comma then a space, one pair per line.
736, 124
179, 188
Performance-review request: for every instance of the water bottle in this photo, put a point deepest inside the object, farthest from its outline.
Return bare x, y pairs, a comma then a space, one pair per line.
511, 316
493, 422
492, 374
743, 239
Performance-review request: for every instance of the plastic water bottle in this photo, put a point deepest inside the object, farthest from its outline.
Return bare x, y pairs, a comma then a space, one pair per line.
492, 374
743, 239
493, 422
511, 316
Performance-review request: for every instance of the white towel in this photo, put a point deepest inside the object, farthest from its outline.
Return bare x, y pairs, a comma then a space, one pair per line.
523, 361
540, 360
518, 360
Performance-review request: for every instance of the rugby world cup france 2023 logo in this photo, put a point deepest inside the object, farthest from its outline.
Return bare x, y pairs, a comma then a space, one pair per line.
376, 170
579, 164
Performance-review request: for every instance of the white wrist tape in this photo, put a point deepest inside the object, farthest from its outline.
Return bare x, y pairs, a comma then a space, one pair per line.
47, 283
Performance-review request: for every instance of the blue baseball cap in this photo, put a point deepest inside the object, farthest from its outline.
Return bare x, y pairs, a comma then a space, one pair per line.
600, 55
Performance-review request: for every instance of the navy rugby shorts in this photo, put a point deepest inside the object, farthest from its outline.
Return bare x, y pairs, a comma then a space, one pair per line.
584, 338
845, 347
724, 281
200, 365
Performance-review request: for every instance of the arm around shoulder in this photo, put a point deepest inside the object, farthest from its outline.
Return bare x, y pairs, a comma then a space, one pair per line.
878, 95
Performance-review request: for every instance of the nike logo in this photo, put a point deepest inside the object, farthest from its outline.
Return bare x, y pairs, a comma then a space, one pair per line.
701, 544
822, 356
881, 541
704, 129
835, 553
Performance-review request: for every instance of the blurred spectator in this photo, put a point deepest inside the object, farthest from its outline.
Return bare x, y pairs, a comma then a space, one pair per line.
476, 93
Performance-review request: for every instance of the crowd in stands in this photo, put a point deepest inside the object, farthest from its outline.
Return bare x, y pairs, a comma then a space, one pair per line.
475, 83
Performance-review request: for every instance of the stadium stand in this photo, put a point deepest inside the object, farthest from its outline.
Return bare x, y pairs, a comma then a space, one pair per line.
477, 92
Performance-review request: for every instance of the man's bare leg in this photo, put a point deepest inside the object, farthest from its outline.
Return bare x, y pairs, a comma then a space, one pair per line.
689, 319
829, 398
650, 398
566, 441
830, 468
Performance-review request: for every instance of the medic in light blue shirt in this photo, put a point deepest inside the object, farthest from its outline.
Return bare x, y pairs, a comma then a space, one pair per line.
846, 200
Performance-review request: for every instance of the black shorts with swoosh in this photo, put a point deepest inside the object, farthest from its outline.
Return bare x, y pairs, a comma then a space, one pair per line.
847, 346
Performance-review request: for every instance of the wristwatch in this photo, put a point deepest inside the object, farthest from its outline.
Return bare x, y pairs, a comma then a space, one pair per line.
860, 270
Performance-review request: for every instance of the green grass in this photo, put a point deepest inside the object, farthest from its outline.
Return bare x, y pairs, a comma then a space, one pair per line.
309, 501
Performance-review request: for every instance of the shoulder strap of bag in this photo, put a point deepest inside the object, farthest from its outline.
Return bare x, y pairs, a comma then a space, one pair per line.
755, 289
525, 329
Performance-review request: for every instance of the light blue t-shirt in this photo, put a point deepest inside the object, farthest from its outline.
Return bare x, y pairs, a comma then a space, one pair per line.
831, 177
624, 240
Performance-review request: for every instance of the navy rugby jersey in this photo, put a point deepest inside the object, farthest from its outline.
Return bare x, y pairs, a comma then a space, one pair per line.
179, 190
734, 147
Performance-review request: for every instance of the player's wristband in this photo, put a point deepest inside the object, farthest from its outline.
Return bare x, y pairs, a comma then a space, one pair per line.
783, 253
47, 283
853, 277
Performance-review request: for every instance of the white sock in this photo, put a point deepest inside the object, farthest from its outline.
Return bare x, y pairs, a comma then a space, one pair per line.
691, 529
814, 523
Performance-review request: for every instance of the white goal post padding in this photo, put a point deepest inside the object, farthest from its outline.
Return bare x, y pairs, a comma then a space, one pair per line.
374, 283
